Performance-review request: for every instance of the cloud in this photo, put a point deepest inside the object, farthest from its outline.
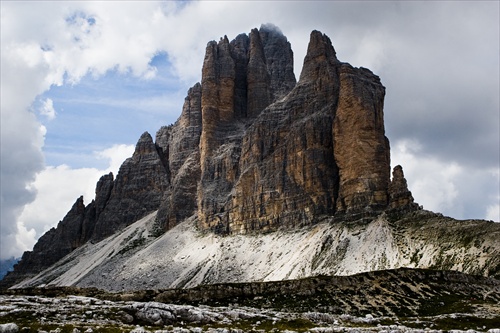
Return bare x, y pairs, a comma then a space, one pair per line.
21, 138
493, 212
58, 187
446, 186
47, 109
115, 155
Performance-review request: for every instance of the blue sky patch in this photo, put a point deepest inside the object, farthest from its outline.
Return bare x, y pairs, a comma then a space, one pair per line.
112, 109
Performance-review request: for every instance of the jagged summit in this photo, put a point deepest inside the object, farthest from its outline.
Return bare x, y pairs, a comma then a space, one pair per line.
252, 151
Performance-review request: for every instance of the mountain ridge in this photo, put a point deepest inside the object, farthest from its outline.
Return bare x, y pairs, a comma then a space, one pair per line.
253, 152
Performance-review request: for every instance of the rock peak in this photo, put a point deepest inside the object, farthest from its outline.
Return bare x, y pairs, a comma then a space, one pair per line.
320, 52
320, 43
145, 138
144, 145
78, 206
400, 197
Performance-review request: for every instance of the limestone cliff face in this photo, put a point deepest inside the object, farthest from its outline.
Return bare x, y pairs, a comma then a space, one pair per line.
361, 148
180, 144
137, 189
319, 151
288, 173
239, 80
253, 151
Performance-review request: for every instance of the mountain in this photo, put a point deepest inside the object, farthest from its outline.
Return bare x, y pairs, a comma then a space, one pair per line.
7, 265
261, 178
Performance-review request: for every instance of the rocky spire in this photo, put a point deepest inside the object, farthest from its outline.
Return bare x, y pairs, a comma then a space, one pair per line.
320, 52
258, 79
239, 51
400, 198
103, 192
279, 61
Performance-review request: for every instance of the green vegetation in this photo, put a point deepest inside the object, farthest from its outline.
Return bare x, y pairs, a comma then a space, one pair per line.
134, 244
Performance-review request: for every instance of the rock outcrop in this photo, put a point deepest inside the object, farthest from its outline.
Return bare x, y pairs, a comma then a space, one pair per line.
136, 191
253, 151
52, 246
180, 146
400, 197
360, 147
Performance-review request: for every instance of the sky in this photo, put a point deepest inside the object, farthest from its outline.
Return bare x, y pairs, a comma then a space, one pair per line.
82, 80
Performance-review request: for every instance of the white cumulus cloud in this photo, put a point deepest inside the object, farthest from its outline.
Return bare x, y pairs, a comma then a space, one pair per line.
57, 189
47, 109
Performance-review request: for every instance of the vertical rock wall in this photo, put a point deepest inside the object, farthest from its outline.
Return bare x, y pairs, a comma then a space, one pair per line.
181, 142
288, 173
237, 81
361, 148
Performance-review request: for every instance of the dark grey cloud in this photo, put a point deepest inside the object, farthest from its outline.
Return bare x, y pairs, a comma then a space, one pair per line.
443, 83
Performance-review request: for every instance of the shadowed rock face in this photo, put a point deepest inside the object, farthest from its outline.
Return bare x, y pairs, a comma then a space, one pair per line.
252, 151
239, 80
137, 190
52, 246
180, 144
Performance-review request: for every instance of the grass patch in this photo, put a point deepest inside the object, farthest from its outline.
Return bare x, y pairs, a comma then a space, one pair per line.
445, 304
138, 242
466, 322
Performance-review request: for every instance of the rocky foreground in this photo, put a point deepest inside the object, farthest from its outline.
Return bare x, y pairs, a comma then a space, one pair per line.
403, 300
